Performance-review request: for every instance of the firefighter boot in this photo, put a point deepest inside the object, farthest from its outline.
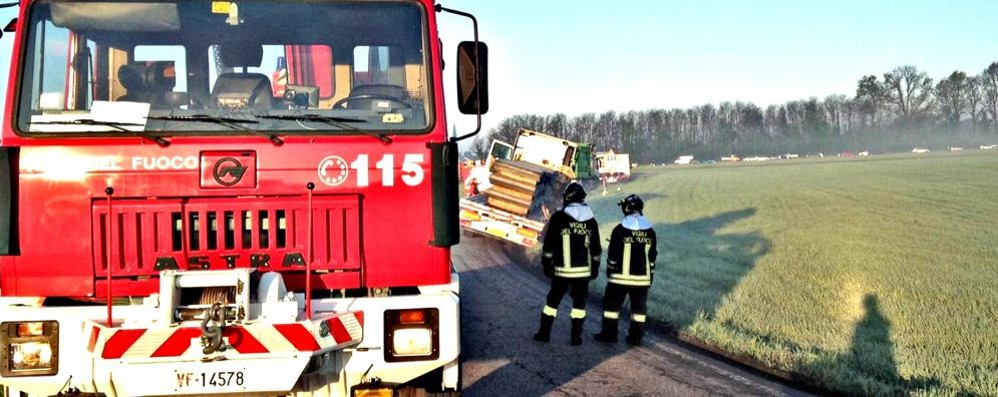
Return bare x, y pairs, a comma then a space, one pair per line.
544, 334
609, 332
636, 333
577, 331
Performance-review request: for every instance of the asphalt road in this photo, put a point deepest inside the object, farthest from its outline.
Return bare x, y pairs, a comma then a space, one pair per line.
501, 305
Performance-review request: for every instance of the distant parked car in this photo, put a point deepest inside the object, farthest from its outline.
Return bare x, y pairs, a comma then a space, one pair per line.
756, 158
789, 156
920, 150
864, 154
989, 147
955, 148
731, 158
710, 162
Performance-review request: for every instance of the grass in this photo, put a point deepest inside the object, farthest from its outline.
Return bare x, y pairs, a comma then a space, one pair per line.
875, 276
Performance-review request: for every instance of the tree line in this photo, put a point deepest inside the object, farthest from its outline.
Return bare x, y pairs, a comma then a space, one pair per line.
899, 110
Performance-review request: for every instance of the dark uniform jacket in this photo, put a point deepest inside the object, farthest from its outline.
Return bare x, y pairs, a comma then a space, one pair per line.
572, 245
631, 259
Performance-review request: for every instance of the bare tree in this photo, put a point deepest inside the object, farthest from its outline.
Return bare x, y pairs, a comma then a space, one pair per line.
834, 106
908, 91
952, 96
974, 98
479, 147
989, 89
883, 115
870, 95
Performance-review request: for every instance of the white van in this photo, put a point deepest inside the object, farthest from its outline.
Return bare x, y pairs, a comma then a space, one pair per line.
684, 160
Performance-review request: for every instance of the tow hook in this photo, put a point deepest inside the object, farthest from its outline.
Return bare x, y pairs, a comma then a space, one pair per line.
211, 329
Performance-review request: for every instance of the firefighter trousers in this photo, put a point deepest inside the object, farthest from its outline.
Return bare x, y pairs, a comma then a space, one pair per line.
613, 300
579, 291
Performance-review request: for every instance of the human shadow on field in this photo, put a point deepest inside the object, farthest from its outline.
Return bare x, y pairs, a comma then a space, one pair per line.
871, 356
514, 300
871, 349
700, 265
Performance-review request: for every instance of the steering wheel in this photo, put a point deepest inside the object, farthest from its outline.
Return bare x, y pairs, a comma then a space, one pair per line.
339, 103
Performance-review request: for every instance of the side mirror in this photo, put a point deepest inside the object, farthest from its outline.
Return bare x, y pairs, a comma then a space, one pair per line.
472, 83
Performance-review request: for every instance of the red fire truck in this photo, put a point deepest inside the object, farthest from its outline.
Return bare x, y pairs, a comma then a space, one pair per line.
180, 223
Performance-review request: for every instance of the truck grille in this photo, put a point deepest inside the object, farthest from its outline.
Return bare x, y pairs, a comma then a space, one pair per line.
218, 233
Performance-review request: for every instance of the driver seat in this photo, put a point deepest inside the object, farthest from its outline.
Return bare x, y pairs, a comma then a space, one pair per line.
147, 81
252, 90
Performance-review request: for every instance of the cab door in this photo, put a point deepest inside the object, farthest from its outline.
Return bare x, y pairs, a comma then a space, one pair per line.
499, 150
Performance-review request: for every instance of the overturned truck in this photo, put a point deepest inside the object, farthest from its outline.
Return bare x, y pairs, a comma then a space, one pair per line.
526, 180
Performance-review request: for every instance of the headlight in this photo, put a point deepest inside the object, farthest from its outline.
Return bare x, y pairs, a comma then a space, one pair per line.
29, 348
411, 342
30, 355
412, 334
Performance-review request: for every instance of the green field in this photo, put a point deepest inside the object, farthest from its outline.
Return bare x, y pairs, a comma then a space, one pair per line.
874, 276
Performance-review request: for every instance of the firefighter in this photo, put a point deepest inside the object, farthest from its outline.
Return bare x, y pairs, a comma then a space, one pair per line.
570, 258
630, 263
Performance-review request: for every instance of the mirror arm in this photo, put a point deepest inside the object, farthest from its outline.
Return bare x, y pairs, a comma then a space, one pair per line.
478, 93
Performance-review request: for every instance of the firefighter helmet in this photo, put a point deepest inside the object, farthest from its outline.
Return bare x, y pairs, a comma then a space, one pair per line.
574, 193
632, 204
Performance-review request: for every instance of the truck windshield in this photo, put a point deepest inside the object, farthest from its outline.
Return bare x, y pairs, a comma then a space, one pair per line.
112, 67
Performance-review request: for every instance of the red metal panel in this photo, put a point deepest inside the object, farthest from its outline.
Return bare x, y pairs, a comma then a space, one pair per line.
202, 231
127, 286
237, 220
177, 343
272, 226
137, 241
299, 337
328, 281
120, 342
292, 216
321, 235
337, 329
220, 229
243, 341
148, 242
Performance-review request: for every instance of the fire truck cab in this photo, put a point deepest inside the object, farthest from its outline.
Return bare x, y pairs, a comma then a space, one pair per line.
230, 197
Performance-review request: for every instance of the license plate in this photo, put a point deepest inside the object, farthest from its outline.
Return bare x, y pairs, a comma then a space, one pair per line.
268, 374
208, 381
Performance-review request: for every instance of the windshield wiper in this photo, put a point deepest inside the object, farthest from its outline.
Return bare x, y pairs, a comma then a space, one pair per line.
338, 122
120, 126
230, 122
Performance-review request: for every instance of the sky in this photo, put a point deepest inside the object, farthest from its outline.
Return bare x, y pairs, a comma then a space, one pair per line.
577, 56
573, 56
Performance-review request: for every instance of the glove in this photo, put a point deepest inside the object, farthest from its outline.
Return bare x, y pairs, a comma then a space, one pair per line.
549, 271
